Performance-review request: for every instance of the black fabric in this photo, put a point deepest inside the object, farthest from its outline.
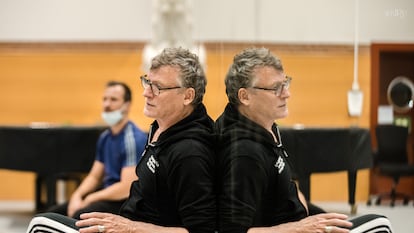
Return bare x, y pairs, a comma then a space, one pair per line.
176, 177
256, 187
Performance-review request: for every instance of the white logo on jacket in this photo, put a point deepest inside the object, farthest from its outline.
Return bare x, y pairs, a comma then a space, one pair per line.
152, 164
280, 164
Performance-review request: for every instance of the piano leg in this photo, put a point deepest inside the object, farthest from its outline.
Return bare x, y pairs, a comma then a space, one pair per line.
51, 191
49, 182
38, 192
351, 190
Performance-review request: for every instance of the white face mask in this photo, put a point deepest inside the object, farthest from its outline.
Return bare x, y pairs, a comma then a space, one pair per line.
112, 118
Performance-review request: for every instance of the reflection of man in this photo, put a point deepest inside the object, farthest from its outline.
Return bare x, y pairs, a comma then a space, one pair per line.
119, 149
256, 190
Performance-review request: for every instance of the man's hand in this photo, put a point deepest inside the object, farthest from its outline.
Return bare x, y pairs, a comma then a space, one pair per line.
111, 223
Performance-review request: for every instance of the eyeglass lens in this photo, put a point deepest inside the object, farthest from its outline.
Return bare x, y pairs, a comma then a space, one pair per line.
145, 83
283, 86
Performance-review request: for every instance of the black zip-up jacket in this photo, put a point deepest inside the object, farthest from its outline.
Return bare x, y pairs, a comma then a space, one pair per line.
254, 177
176, 177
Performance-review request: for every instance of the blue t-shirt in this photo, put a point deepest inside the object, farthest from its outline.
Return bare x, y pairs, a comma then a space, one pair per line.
119, 151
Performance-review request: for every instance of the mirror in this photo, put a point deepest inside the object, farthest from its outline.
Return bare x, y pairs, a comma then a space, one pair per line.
400, 94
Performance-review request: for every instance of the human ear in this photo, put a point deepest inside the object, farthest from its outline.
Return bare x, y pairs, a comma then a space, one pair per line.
189, 96
243, 96
125, 107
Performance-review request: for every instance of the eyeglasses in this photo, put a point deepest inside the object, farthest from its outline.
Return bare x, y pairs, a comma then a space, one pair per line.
155, 88
278, 89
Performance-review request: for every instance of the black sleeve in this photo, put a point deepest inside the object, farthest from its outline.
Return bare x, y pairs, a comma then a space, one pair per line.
192, 181
244, 181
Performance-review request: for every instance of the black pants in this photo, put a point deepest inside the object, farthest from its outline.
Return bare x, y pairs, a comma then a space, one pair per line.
99, 206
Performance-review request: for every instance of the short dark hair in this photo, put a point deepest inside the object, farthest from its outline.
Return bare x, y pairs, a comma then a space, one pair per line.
127, 90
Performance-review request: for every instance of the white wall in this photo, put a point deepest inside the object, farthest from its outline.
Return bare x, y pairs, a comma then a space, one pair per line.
285, 21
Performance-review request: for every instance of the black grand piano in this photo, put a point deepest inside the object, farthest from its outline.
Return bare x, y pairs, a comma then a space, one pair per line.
321, 150
52, 153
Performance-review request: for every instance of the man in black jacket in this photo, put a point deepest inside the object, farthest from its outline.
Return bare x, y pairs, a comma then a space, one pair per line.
174, 191
256, 191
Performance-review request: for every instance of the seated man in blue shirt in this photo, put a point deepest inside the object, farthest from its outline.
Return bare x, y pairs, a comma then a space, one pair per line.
118, 151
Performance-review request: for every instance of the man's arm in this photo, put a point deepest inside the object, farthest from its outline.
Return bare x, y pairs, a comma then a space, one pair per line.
116, 191
91, 182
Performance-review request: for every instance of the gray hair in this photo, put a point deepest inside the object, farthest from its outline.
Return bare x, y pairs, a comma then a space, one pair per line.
191, 71
241, 72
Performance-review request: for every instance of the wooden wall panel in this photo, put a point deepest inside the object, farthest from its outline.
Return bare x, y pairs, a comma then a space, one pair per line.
63, 83
62, 88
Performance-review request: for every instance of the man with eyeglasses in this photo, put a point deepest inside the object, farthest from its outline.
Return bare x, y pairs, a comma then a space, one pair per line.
256, 191
174, 192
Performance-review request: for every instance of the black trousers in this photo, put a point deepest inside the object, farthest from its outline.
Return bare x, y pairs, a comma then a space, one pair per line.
99, 206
